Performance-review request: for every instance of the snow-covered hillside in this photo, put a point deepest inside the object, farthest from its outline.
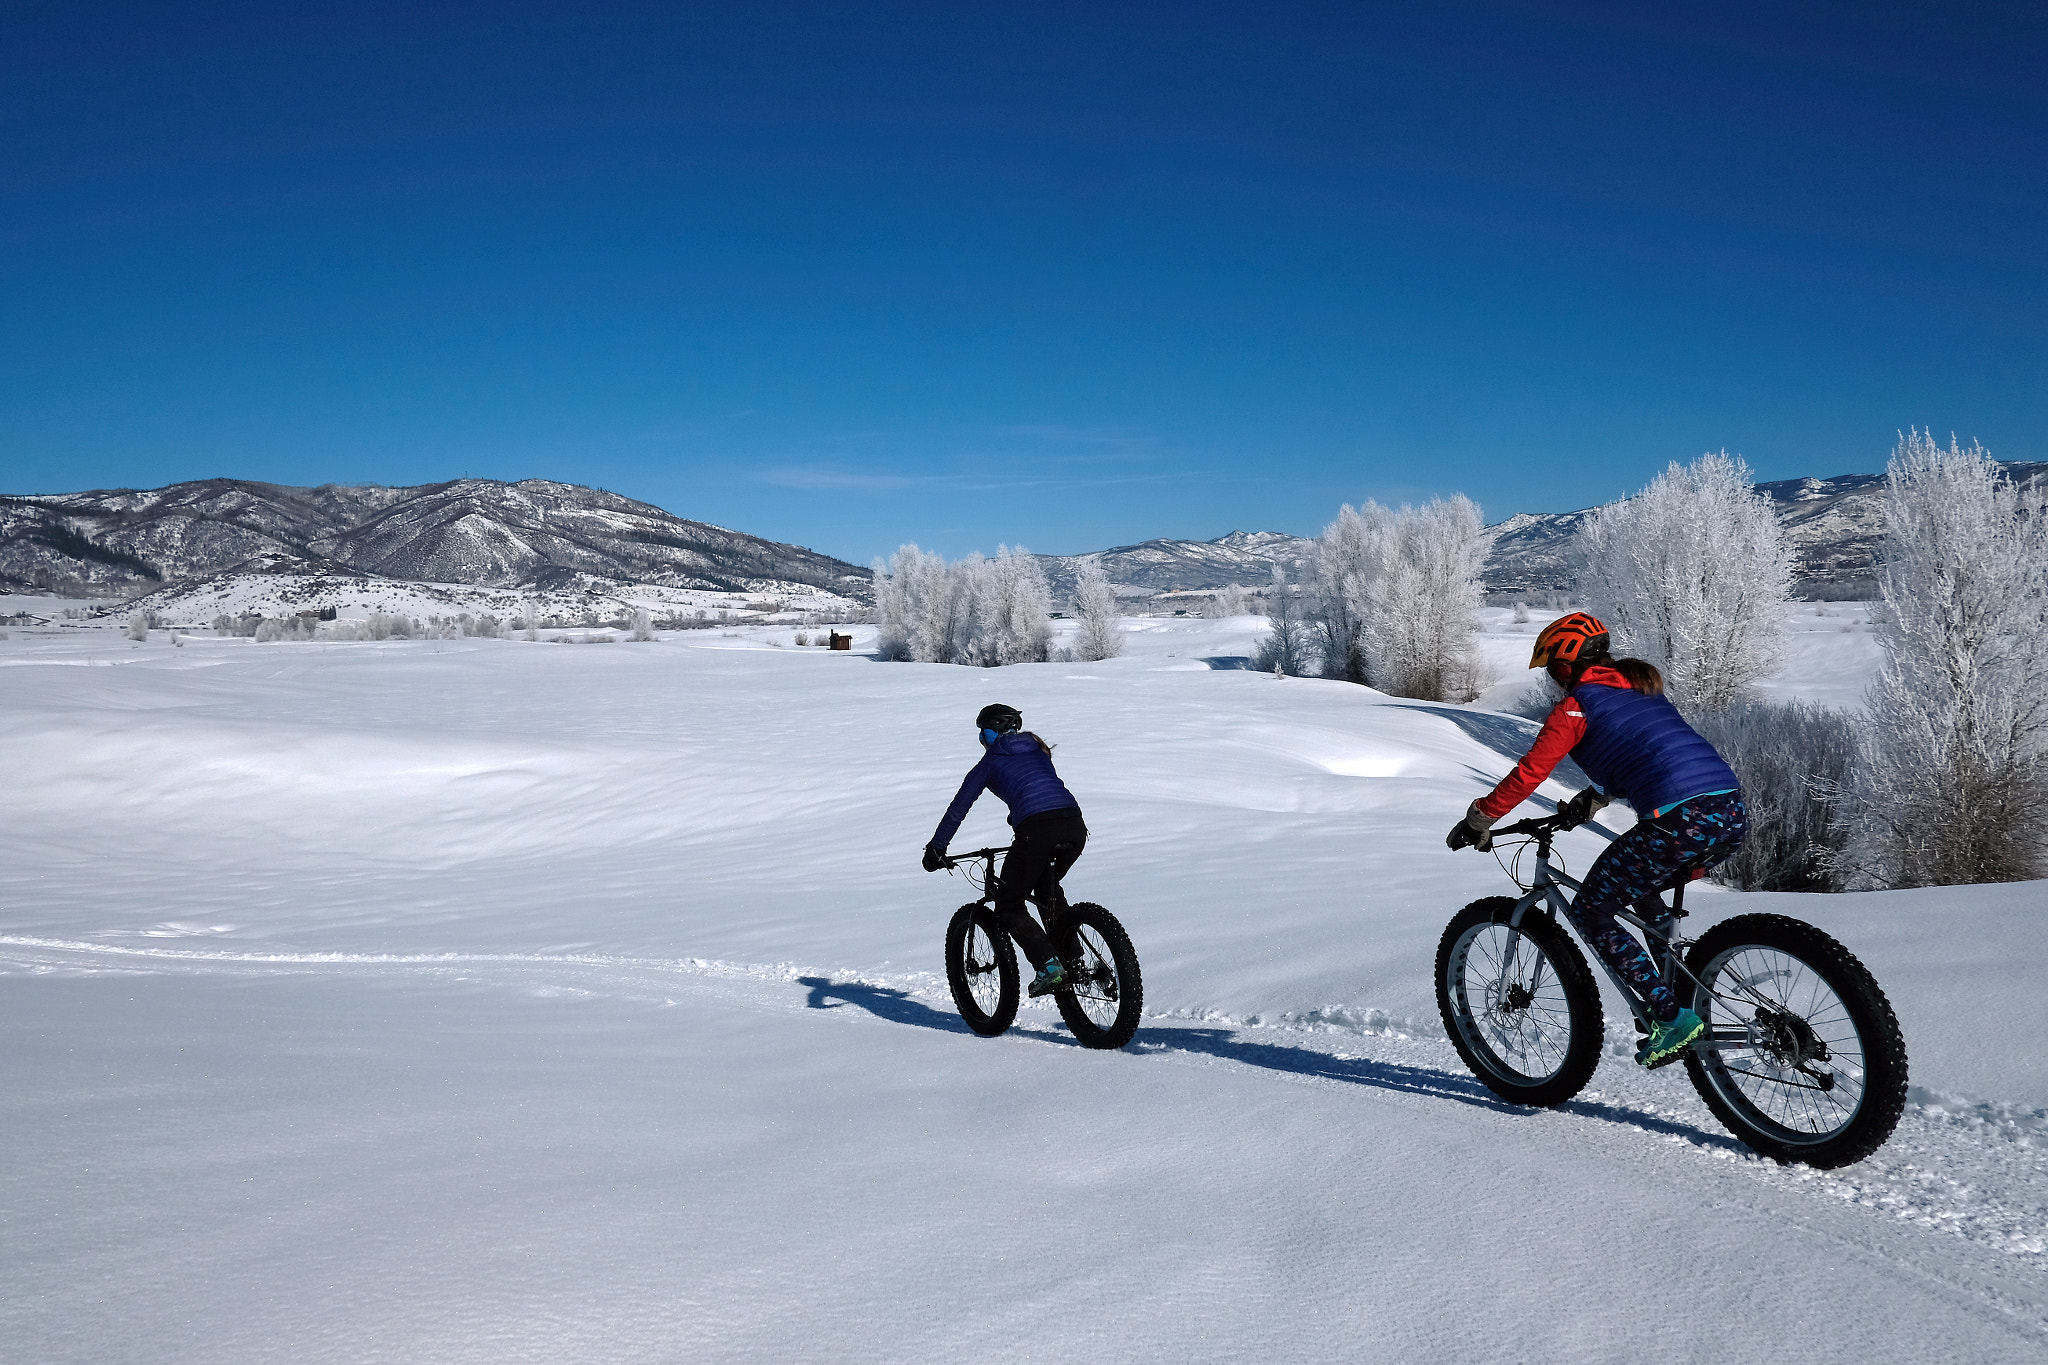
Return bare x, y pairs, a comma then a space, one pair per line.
485, 1000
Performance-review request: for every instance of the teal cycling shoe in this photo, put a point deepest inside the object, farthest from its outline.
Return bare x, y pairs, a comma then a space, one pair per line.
1669, 1037
1050, 978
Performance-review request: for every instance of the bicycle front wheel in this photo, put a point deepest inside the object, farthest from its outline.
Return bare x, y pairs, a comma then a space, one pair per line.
1106, 996
1519, 1004
981, 967
1803, 1058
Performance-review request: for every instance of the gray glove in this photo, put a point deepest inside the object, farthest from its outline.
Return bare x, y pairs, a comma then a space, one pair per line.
1474, 831
1582, 808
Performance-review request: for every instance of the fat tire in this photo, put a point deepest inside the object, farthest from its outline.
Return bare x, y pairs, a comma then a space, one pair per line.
1115, 956
1575, 993
979, 922
1882, 1099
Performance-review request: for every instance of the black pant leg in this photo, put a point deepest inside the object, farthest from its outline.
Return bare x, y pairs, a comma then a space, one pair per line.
1046, 846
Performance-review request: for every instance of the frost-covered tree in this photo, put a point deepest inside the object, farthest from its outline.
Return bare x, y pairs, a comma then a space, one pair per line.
643, 624
1350, 579
1012, 618
1953, 783
1232, 601
1396, 597
1427, 640
977, 611
1693, 574
138, 626
1102, 635
1287, 648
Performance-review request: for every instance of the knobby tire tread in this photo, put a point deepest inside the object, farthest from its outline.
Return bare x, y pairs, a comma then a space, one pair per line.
1575, 980
990, 1023
1123, 959
1877, 1028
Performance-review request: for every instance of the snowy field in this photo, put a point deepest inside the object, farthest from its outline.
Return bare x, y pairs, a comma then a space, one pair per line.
492, 1001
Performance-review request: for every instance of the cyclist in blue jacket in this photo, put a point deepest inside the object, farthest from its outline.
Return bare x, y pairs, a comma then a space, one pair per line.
1620, 728
1017, 766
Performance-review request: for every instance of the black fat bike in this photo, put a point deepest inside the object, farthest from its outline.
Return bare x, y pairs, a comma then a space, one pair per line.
1802, 1058
1104, 993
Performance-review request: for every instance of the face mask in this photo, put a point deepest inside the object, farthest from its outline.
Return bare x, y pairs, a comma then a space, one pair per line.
990, 736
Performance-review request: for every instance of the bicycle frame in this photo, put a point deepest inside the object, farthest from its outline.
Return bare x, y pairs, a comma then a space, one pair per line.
991, 883
1665, 944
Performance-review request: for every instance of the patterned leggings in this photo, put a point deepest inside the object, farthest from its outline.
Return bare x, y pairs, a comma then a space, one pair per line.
1651, 856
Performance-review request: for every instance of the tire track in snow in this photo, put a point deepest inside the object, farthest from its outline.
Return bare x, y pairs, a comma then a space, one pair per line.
1970, 1178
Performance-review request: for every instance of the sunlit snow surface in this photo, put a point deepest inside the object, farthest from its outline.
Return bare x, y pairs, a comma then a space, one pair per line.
501, 1001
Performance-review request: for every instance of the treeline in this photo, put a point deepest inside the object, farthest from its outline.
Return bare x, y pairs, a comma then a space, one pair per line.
985, 612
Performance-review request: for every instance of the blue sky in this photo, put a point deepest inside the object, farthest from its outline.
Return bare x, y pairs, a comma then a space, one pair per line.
1066, 275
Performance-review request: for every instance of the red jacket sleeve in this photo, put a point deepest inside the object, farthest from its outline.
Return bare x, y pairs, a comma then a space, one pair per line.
1562, 730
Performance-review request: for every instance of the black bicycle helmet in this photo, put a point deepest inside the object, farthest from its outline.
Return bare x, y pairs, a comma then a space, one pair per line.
999, 718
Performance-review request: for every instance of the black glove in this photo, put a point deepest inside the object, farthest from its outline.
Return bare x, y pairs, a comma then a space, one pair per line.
933, 859
1581, 808
1474, 831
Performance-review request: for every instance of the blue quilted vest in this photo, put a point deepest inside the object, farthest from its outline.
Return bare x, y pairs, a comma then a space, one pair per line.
1640, 749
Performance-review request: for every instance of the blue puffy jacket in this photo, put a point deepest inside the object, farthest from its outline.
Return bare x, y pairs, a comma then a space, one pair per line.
1016, 768
1640, 748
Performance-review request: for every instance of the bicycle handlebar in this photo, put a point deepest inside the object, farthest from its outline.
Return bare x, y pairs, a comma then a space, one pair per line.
955, 859
1536, 825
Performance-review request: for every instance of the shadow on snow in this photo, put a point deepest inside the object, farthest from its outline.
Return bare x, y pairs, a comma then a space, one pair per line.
898, 1007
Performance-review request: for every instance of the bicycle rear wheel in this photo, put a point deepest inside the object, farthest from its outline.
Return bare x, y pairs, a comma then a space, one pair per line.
1803, 1058
1106, 996
981, 967
1520, 1005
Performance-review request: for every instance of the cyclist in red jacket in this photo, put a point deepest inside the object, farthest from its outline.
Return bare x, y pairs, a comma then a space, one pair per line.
1617, 725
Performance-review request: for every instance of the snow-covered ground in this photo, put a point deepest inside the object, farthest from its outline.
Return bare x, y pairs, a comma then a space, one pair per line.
484, 1000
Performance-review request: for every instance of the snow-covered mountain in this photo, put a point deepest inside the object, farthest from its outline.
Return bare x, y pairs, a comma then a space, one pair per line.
534, 534
1242, 557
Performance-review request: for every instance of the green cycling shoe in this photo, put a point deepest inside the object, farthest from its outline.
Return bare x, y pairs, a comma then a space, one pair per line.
1668, 1038
1050, 978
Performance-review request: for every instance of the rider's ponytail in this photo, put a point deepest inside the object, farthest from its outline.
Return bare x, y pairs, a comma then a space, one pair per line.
1642, 675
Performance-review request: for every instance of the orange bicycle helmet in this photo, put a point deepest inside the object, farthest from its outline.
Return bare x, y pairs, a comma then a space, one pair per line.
1570, 638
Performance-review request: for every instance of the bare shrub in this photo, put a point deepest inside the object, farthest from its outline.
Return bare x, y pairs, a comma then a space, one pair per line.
1792, 758
138, 626
1286, 650
643, 625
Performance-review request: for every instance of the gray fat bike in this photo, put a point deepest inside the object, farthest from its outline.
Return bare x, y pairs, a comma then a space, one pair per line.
1103, 994
1802, 1057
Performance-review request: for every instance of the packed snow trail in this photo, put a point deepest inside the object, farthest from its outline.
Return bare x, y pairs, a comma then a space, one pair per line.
721, 1158
502, 1002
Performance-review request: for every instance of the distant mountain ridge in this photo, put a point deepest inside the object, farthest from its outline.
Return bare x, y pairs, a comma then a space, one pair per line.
535, 533
557, 537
